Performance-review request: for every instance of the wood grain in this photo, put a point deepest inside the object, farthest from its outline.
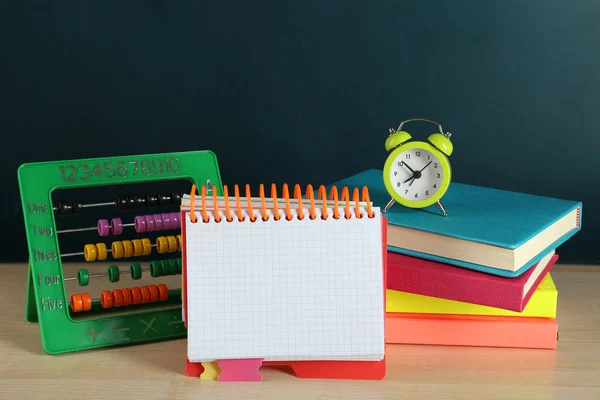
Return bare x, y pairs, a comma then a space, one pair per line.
155, 371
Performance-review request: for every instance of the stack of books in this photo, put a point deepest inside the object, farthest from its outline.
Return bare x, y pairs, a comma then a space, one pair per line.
479, 276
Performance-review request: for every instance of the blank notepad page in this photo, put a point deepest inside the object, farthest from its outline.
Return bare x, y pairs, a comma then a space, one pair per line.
285, 290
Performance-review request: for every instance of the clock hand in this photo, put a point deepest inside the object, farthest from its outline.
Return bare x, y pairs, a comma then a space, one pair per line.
412, 177
425, 166
408, 166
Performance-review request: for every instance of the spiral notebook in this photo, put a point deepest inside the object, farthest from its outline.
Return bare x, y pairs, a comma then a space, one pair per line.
283, 278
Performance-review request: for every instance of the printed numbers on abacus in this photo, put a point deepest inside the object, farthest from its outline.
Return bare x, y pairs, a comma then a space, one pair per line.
121, 169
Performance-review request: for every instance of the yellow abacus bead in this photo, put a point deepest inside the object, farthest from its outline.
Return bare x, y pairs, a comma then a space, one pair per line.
117, 249
127, 248
179, 245
89, 252
147, 245
138, 248
172, 243
162, 245
101, 250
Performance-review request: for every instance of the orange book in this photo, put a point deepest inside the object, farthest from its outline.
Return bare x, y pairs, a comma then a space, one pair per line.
471, 330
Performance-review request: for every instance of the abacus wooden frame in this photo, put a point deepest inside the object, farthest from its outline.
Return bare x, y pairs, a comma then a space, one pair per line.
59, 332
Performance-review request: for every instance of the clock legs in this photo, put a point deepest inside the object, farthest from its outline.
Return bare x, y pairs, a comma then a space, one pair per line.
389, 204
438, 204
441, 207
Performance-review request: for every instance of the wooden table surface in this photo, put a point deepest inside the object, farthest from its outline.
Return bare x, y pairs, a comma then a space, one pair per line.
155, 371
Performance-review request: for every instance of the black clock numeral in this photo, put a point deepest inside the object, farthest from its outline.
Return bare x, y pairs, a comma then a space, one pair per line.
418, 153
416, 195
406, 191
427, 193
398, 184
438, 175
400, 163
434, 165
435, 185
408, 156
395, 173
428, 157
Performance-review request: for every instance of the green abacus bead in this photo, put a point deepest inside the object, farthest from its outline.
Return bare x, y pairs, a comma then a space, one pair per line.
172, 266
155, 269
179, 266
165, 267
136, 271
83, 276
113, 273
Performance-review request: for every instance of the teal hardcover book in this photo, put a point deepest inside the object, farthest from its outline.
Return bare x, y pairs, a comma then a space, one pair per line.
489, 230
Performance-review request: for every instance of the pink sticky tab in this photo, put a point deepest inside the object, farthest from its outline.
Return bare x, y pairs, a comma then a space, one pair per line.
245, 370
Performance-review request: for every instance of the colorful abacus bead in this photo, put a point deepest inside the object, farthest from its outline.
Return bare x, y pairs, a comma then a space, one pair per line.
116, 226
83, 277
136, 271
113, 273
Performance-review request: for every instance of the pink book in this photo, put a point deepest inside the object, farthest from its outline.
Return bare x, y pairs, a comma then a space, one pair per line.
429, 278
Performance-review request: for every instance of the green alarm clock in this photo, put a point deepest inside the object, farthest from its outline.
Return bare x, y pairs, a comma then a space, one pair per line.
417, 174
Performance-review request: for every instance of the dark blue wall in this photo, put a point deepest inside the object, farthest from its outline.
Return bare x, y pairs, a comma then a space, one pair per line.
305, 91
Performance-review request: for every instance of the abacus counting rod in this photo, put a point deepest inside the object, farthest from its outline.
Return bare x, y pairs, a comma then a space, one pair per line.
122, 203
172, 266
129, 248
120, 297
142, 223
81, 253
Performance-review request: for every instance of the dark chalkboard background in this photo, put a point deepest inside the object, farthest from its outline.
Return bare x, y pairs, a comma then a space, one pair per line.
304, 91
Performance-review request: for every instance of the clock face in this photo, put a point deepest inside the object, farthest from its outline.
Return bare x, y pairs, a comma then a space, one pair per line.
416, 174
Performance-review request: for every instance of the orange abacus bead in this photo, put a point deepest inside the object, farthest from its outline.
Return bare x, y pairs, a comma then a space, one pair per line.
163, 292
76, 303
145, 294
137, 295
87, 301
153, 293
106, 299
117, 297
127, 296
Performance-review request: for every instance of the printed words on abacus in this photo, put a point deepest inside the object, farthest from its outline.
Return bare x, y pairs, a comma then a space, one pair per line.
122, 169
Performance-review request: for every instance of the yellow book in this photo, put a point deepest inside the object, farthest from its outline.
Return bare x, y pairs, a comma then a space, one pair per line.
543, 304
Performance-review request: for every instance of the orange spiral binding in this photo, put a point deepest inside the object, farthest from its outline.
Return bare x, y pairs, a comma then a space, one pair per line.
346, 197
298, 195
323, 200
227, 211
241, 217
275, 200
204, 213
249, 197
217, 215
311, 196
334, 195
192, 201
286, 196
262, 201
322, 195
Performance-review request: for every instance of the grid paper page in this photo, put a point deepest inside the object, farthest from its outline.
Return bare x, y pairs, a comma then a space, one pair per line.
285, 290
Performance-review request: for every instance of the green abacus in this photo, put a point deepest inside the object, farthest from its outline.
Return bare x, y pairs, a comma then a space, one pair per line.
47, 301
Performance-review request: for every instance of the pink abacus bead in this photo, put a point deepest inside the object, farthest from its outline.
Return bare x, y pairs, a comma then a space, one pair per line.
174, 220
149, 223
103, 227
140, 224
166, 219
116, 226
158, 222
